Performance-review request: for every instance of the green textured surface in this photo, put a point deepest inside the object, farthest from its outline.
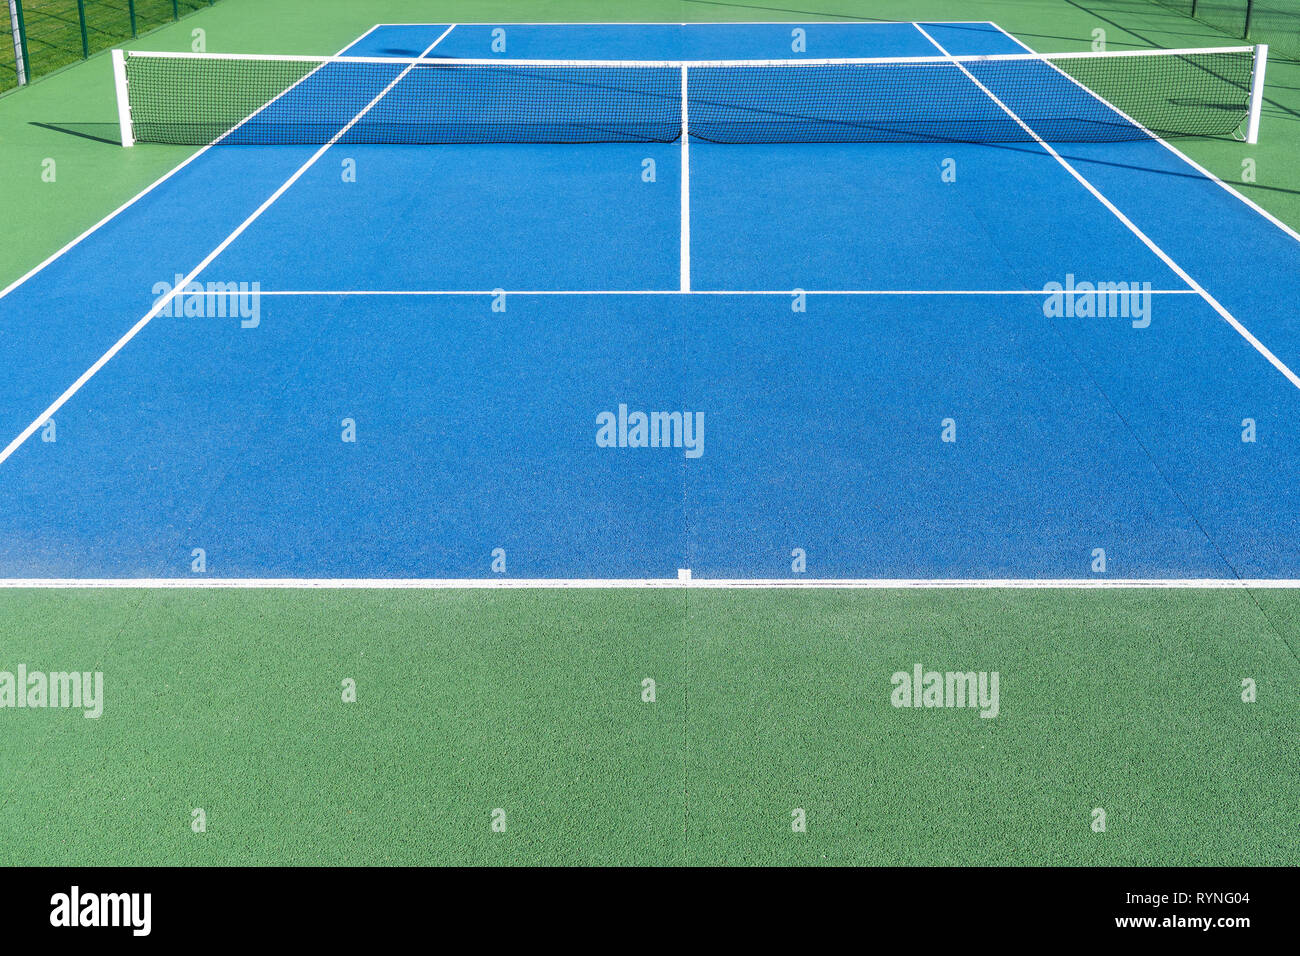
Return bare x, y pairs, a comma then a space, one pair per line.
530, 701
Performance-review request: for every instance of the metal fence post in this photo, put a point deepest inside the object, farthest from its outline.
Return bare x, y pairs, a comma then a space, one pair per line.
85, 40
176, 11
1250, 8
130, 6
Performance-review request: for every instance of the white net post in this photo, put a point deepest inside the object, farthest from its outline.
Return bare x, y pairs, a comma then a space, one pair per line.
123, 98
1256, 93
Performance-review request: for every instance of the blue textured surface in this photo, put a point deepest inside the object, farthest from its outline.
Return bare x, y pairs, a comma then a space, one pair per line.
476, 429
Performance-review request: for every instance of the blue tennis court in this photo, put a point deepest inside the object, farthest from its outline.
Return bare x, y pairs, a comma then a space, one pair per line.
625, 360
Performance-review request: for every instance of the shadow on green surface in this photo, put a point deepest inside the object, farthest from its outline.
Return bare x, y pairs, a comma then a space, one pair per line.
107, 133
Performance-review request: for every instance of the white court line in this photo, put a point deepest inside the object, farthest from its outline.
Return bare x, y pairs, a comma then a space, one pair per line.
1214, 303
1169, 146
780, 292
180, 286
488, 584
148, 189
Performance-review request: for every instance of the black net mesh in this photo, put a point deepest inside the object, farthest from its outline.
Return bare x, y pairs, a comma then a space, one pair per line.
195, 100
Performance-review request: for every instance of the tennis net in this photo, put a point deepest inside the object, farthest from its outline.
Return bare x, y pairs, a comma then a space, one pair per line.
237, 99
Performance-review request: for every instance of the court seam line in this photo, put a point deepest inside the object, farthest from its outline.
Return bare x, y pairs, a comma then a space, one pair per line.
1214, 303
685, 177
1069, 348
199, 583
150, 188
179, 287
1169, 146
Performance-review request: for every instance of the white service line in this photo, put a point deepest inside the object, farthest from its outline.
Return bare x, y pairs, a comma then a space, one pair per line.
1146, 240
151, 187
493, 584
1172, 148
207, 260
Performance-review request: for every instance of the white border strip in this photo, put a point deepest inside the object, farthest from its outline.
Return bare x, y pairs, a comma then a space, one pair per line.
1146, 240
675, 64
123, 98
436, 584
1256, 93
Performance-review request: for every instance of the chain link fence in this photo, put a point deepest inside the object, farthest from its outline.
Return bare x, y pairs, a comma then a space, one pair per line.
43, 35
1275, 22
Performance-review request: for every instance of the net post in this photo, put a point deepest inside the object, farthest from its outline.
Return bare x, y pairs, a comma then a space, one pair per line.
20, 61
686, 189
123, 100
1256, 93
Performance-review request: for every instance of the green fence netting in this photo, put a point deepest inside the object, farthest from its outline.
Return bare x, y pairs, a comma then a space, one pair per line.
8, 60
59, 32
1275, 22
